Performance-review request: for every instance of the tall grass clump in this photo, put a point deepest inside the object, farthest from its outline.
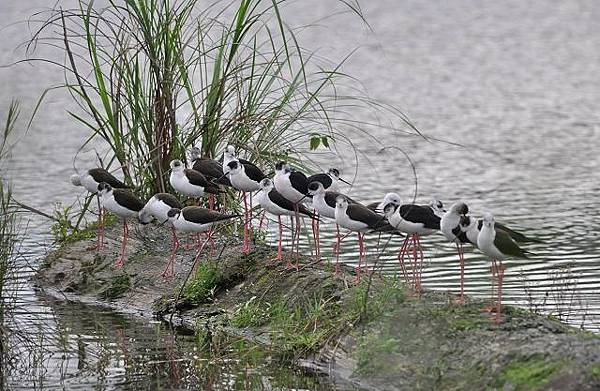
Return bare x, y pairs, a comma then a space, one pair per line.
154, 77
8, 230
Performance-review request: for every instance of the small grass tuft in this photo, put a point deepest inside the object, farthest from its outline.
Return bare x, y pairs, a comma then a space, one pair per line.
595, 371
250, 314
528, 374
118, 286
202, 287
370, 349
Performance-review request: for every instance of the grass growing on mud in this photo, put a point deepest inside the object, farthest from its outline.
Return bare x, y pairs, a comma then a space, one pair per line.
302, 328
528, 374
202, 287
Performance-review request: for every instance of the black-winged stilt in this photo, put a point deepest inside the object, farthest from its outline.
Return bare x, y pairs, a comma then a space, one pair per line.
210, 168
157, 208
498, 245
389, 197
90, 181
437, 206
360, 219
193, 219
472, 226
124, 204
293, 185
229, 155
323, 202
190, 182
415, 221
245, 178
328, 179
276, 204
450, 225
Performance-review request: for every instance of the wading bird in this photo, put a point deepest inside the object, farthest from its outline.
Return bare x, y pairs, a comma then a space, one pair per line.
293, 185
193, 219
450, 225
360, 219
276, 204
330, 179
124, 204
245, 178
323, 202
190, 182
415, 221
498, 245
90, 181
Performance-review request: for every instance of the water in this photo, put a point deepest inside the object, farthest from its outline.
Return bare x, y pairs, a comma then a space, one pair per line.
513, 83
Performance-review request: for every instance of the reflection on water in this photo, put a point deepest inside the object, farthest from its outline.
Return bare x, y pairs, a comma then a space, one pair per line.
84, 347
514, 83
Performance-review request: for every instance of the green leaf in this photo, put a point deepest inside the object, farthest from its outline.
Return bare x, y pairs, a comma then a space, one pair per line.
325, 141
314, 143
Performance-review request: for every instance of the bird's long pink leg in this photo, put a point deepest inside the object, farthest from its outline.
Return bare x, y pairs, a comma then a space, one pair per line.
100, 229
202, 246
461, 258
121, 260
361, 249
336, 249
262, 220
246, 246
313, 252
317, 224
297, 211
315, 228
414, 266
421, 261
292, 232
169, 270
280, 246
500, 271
100, 233
492, 305
401, 254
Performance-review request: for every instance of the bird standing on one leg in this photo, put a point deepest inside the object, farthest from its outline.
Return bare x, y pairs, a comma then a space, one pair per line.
450, 225
124, 204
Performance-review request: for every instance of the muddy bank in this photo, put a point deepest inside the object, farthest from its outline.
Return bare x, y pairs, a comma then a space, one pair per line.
374, 335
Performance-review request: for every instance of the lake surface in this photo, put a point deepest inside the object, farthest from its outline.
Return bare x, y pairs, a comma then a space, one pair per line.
510, 88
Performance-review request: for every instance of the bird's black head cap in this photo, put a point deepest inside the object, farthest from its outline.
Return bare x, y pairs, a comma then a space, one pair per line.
104, 186
173, 212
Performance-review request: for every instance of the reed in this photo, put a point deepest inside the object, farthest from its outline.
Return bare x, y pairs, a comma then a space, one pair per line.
8, 232
152, 78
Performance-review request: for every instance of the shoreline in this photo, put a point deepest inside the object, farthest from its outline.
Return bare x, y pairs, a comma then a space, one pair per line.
374, 336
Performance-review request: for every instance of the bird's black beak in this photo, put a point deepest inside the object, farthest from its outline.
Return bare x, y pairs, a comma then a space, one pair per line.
163, 223
346, 182
219, 178
305, 195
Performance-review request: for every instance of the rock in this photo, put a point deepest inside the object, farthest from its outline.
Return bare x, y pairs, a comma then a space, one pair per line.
373, 335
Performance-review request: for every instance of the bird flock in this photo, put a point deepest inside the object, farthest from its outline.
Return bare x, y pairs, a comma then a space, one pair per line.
292, 193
